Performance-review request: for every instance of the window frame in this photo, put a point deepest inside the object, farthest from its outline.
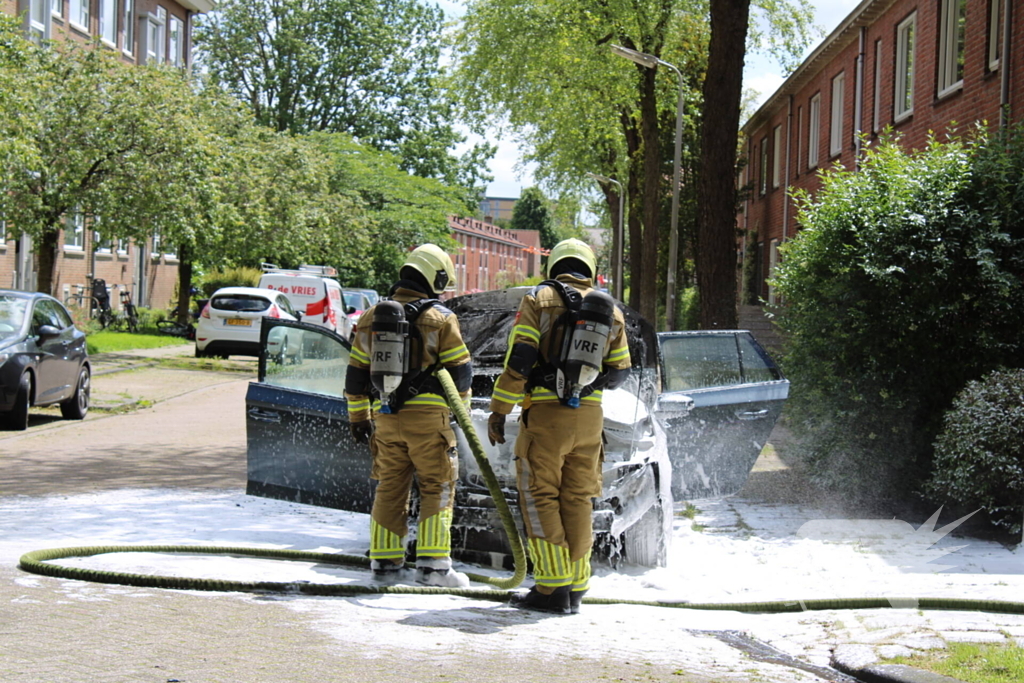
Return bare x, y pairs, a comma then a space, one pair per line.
877, 114
776, 157
176, 42
838, 103
107, 26
995, 35
78, 15
903, 83
952, 46
128, 28
74, 231
57, 8
814, 131
763, 185
37, 24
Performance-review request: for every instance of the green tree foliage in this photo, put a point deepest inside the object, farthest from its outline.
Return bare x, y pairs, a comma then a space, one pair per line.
903, 283
106, 140
369, 68
531, 213
547, 72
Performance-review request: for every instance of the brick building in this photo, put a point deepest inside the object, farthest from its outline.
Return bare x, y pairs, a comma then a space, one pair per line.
141, 31
492, 257
911, 65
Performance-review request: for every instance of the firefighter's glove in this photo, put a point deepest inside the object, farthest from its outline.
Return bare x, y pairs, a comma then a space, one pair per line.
362, 431
496, 428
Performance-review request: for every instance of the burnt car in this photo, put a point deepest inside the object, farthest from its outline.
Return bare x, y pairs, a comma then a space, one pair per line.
688, 424
43, 358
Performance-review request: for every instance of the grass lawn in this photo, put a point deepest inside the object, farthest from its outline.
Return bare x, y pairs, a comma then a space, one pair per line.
107, 341
973, 663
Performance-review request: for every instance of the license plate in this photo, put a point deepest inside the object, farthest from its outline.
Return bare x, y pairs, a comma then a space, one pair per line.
239, 321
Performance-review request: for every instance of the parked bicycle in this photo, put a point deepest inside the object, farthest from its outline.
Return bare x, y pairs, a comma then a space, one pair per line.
97, 306
173, 328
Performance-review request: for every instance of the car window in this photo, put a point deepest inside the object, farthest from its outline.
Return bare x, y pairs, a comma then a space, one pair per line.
247, 303
693, 362
40, 317
285, 305
715, 360
323, 364
756, 368
58, 316
12, 315
356, 301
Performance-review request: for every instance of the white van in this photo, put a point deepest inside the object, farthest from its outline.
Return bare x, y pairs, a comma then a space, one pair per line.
313, 293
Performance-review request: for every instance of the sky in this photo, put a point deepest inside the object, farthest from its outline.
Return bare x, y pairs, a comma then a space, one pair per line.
761, 74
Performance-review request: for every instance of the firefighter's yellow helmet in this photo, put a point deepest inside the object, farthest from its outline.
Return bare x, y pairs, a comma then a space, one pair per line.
573, 248
435, 265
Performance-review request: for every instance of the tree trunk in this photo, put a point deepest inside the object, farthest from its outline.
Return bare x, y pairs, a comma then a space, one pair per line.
46, 246
634, 204
184, 282
648, 247
716, 229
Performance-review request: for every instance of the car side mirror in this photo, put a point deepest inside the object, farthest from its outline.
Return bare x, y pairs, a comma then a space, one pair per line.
46, 332
298, 315
349, 310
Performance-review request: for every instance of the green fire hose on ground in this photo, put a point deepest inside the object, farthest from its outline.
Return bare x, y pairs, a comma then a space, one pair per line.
38, 562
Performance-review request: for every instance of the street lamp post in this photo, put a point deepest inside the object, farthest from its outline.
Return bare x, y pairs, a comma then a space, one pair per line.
651, 62
618, 239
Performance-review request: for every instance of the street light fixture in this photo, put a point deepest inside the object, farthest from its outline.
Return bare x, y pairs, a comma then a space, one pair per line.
651, 62
618, 239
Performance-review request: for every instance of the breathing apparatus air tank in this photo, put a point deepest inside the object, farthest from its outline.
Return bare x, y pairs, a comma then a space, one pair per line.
390, 348
583, 348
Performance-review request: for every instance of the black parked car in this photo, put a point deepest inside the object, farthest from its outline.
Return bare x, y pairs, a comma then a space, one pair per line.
43, 359
688, 425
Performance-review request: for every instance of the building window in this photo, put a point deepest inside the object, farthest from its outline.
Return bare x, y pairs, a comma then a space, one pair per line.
951, 45
37, 20
122, 246
79, 14
835, 145
74, 231
764, 165
103, 245
57, 8
799, 137
904, 97
876, 124
777, 156
177, 42
128, 21
813, 130
995, 35
156, 25
108, 21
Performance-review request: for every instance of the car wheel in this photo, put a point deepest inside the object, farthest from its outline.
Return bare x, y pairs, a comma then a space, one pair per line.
77, 406
280, 356
17, 418
200, 354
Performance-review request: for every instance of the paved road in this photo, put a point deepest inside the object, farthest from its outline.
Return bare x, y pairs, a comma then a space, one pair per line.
190, 434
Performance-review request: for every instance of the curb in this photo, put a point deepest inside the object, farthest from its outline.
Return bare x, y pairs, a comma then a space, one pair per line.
861, 662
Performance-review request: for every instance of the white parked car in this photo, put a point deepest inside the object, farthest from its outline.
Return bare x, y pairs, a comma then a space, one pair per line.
230, 324
314, 293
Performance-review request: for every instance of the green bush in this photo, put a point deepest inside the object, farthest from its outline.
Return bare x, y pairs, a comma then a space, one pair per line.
903, 284
979, 456
229, 277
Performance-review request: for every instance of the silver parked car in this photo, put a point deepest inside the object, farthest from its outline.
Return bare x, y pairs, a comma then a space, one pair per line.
687, 425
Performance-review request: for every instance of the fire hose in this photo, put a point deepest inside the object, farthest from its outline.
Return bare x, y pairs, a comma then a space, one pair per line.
39, 562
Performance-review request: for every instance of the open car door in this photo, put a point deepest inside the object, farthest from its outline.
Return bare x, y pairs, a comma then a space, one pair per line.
735, 393
296, 420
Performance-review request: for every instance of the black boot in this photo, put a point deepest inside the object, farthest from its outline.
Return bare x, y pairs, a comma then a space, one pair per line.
557, 602
575, 600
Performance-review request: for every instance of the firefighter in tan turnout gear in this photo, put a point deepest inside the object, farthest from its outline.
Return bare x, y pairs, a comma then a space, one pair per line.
567, 344
397, 345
